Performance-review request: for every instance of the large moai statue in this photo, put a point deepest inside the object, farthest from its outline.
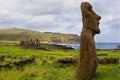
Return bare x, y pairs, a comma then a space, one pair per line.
87, 62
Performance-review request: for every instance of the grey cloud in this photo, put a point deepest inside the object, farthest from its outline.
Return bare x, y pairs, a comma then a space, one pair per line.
59, 16
43, 7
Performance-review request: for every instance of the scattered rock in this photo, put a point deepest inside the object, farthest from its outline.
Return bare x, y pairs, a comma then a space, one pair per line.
108, 61
44, 62
2, 58
9, 56
32, 75
20, 63
102, 54
24, 62
67, 61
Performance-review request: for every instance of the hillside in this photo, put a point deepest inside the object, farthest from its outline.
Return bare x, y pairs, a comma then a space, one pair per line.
47, 37
15, 31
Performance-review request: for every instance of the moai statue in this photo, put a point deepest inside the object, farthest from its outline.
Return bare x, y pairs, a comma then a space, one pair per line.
37, 42
22, 43
87, 62
30, 42
26, 43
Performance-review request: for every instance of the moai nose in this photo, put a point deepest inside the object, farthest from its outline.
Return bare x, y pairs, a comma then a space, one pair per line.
99, 17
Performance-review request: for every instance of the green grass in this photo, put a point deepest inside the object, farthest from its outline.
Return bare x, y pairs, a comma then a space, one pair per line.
43, 69
3, 42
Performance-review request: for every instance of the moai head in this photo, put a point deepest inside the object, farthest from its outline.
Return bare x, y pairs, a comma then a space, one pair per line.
30, 40
90, 18
36, 39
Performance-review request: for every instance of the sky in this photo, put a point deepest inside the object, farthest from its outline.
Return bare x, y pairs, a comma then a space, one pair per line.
62, 16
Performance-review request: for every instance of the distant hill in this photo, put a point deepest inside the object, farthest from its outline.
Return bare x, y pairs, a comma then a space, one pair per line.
48, 37
16, 31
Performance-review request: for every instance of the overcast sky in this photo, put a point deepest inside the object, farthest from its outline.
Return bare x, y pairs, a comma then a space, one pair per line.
60, 16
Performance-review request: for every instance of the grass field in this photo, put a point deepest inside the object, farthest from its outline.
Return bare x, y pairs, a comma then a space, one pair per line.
44, 69
3, 42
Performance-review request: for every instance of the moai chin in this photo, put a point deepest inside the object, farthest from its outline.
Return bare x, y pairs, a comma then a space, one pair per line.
87, 62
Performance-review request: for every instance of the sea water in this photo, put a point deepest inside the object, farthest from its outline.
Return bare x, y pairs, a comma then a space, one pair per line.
98, 45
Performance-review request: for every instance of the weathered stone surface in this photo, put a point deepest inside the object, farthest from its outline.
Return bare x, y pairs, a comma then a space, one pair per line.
23, 61
87, 62
2, 58
72, 61
108, 60
65, 61
30, 43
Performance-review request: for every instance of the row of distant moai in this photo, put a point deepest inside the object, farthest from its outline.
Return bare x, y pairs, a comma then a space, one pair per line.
30, 42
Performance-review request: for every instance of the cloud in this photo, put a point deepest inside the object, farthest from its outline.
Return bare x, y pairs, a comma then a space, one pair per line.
60, 16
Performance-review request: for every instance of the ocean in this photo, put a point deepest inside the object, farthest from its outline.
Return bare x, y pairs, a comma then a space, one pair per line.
98, 45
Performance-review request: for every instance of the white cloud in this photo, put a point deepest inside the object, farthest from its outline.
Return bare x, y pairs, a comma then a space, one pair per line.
60, 16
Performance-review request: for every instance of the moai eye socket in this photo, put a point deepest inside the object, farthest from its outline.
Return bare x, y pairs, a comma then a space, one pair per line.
89, 8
